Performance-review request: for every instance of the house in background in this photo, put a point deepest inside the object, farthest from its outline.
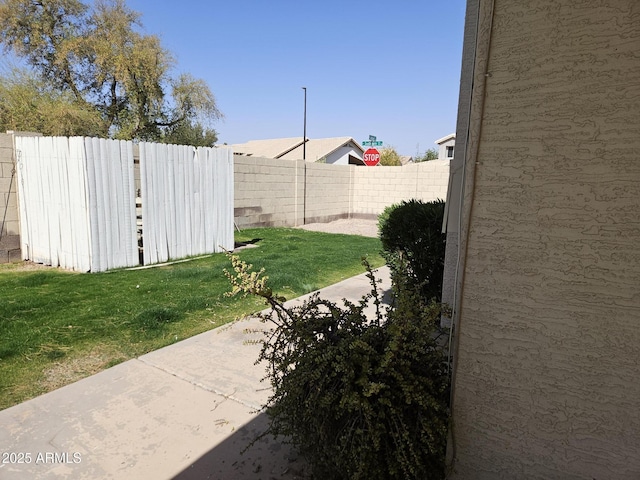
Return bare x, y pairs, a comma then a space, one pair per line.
446, 146
336, 151
543, 242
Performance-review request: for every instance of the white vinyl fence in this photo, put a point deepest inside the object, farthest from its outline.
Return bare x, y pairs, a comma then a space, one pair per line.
78, 206
187, 200
77, 202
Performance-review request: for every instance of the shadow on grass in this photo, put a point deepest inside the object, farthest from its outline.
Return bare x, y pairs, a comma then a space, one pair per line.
267, 459
246, 244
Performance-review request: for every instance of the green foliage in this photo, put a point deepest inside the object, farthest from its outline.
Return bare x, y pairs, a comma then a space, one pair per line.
389, 157
30, 104
431, 154
414, 245
97, 61
383, 218
187, 133
360, 399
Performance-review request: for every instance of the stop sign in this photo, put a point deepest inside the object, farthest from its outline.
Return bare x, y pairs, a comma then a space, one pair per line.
371, 157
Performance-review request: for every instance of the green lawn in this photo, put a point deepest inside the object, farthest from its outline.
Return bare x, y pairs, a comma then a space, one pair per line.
57, 327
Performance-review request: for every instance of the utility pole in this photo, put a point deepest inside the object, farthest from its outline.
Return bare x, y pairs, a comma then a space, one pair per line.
304, 135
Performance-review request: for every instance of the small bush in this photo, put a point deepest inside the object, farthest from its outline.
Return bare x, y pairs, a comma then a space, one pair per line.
414, 245
360, 398
383, 218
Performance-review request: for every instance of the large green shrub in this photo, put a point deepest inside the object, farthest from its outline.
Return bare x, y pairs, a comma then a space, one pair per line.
414, 245
361, 399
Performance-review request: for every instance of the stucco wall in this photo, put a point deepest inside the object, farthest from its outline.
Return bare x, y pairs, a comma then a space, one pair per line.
548, 340
10, 229
341, 156
442, 148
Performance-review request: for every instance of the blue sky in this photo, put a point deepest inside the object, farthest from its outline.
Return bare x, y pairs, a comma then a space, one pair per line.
389, 69
371, 68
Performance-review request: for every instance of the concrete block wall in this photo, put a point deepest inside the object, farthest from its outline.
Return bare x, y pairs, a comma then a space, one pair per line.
328, 192
268, 192
10, 226
376, 188
272, 192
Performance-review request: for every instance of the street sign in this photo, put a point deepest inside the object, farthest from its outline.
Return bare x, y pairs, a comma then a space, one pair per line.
371, 157
372, 142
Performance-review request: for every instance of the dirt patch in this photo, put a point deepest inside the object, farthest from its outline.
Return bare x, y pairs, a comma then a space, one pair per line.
26, 266
69, 370
351, 226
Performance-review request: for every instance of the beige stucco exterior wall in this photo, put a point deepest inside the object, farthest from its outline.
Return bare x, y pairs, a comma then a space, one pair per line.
10, 229
546, 373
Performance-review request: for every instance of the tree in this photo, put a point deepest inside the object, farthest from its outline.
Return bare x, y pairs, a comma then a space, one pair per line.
187, 133
194, 104
97, 60
30, 104
389, 157
431, 154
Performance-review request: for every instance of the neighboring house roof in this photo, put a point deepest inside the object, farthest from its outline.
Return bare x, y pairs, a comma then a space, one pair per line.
272, 148
292, 148
316, 149
451, 136
405, 159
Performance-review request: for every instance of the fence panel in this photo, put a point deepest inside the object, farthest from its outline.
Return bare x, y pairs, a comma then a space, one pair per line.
187, 200
112, 201
77, 202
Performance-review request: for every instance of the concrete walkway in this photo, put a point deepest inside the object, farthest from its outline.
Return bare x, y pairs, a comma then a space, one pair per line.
185, 411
